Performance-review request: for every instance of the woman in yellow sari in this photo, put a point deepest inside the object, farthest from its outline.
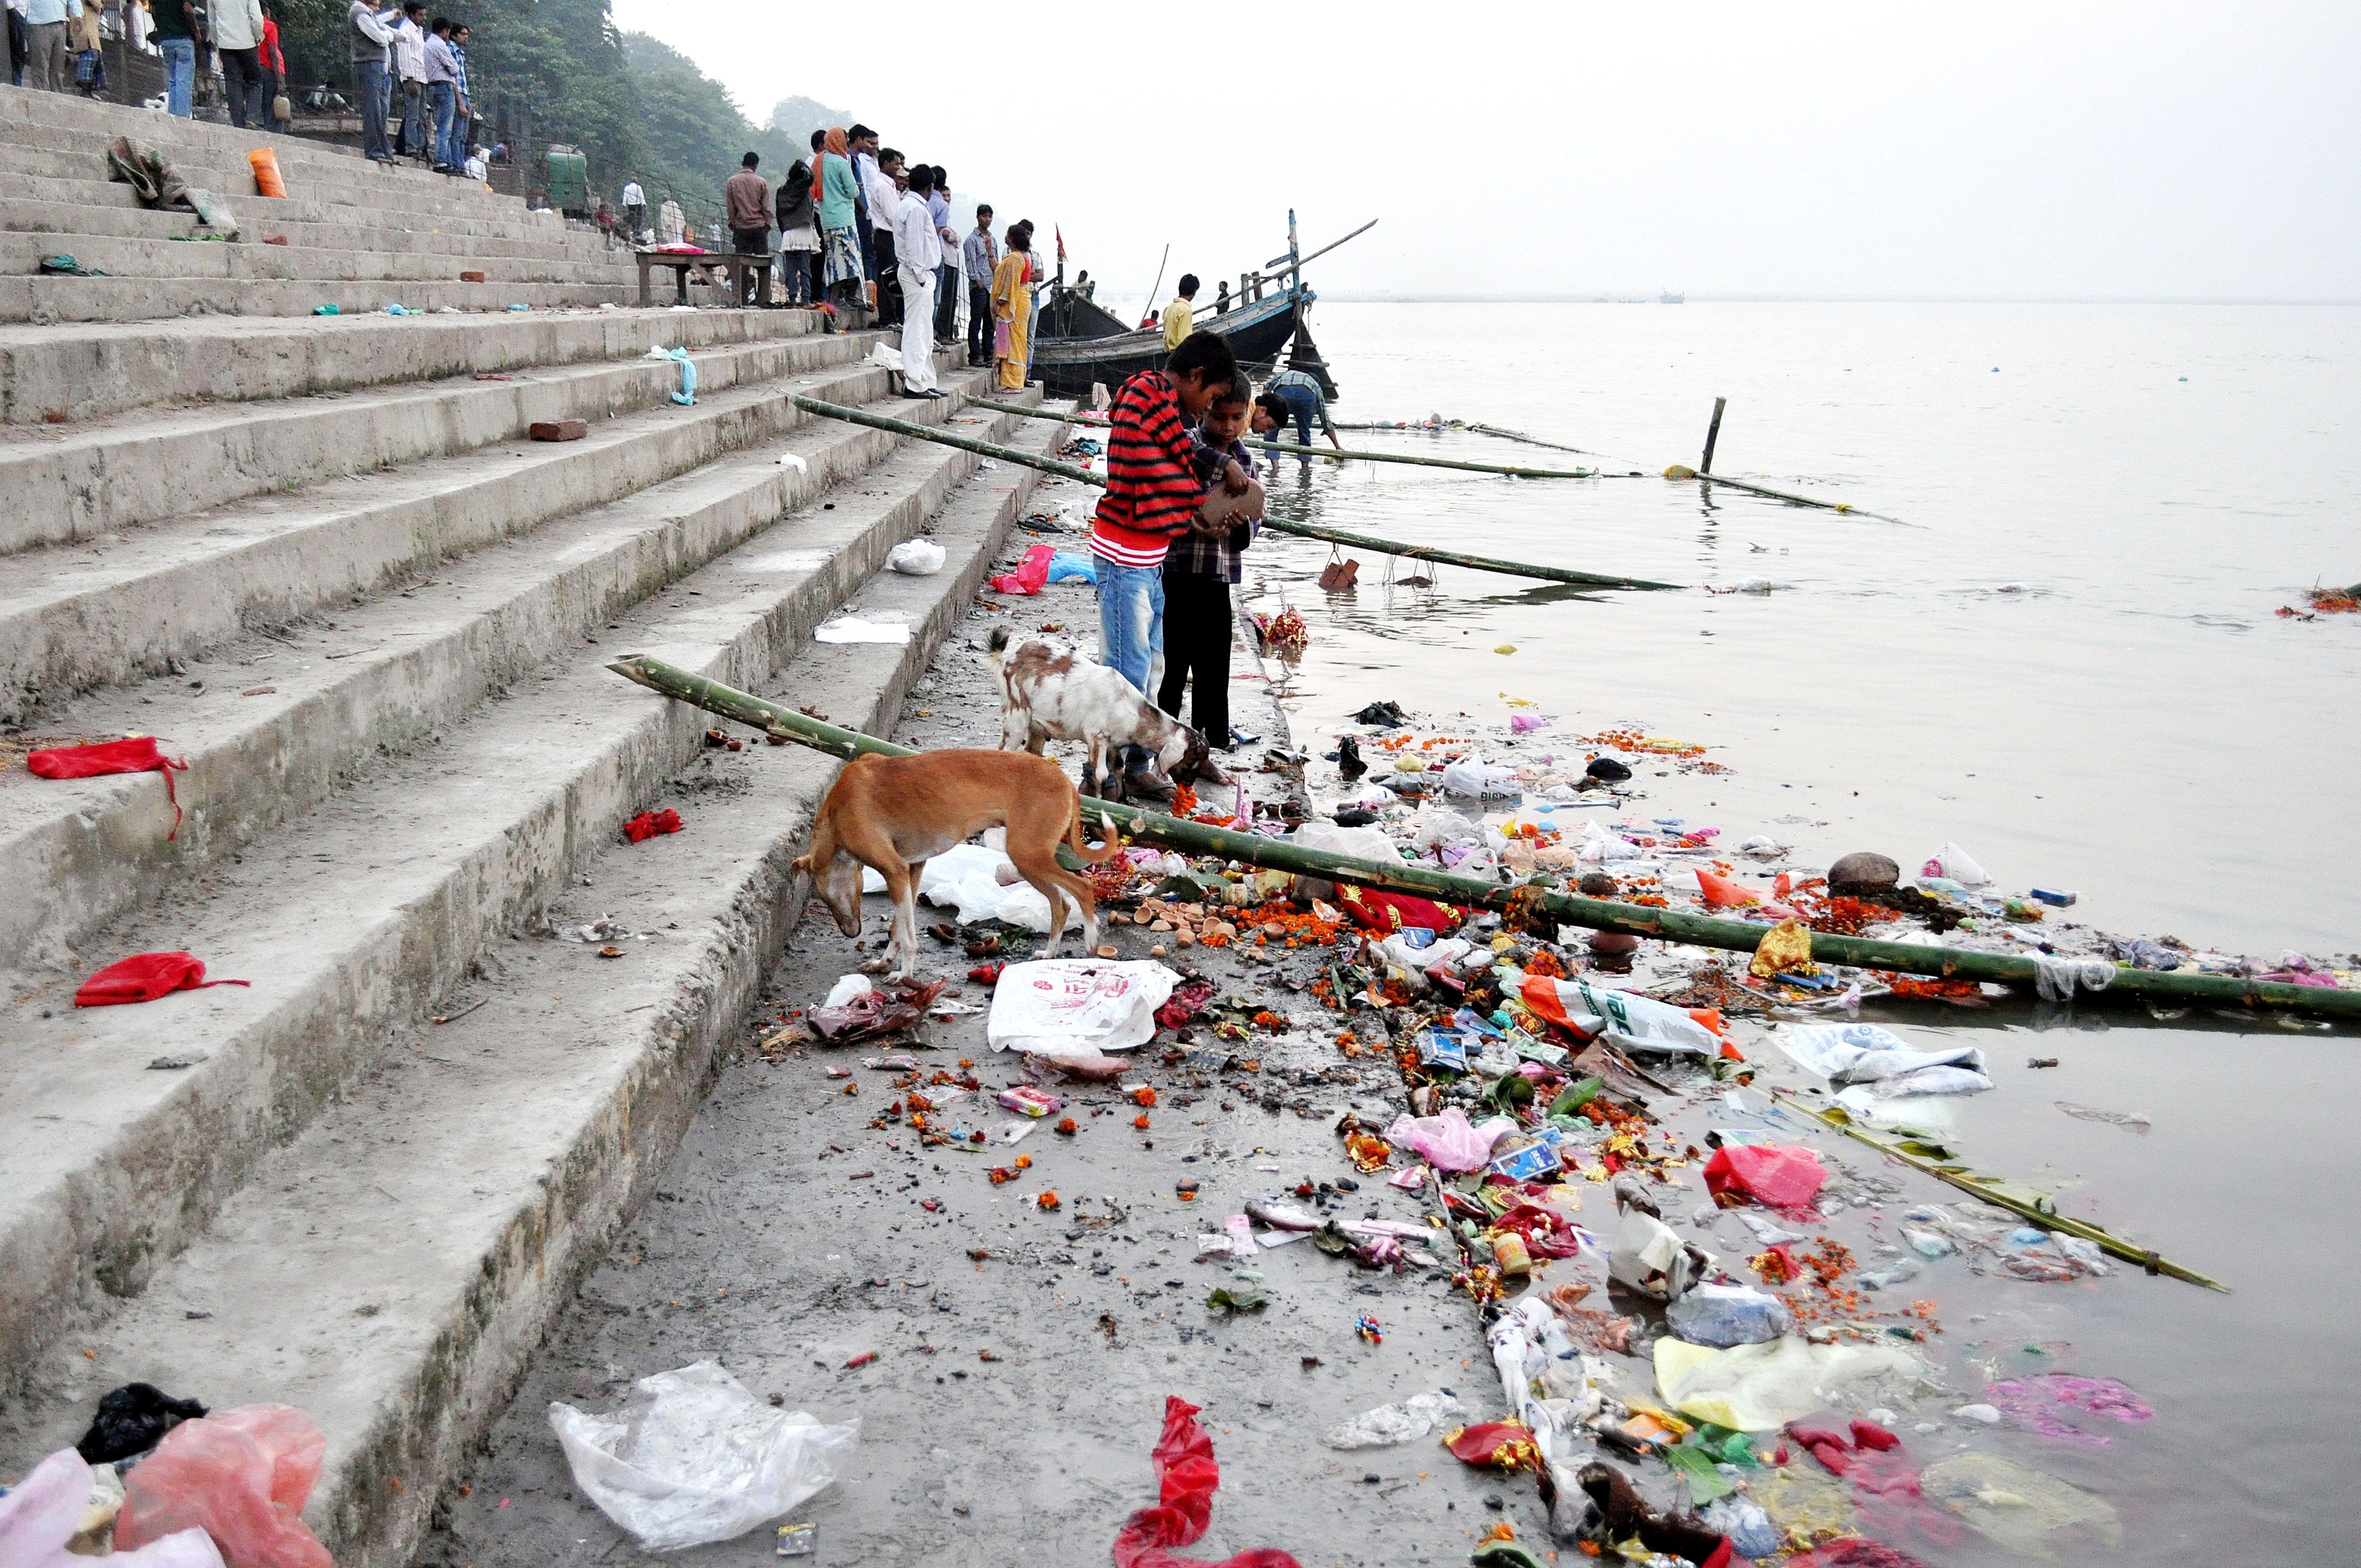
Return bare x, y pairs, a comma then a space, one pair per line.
1012, 308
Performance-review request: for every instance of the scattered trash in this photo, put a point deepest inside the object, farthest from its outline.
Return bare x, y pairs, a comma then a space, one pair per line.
917, 557
1726, 1315
1074, 1007
2119, 1118
2020, 1509
1758, 1387
145, 977
62, 1514
2034, 1403
1781, 1177
1863, 1053
693, 1457
648, 825
1391, 1424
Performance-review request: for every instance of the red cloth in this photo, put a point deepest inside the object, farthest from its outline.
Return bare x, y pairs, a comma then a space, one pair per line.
1386, 913
136, 755
144, 977
1507, 1444
1777, 1175
1030, 573
1186, 1478
648, 824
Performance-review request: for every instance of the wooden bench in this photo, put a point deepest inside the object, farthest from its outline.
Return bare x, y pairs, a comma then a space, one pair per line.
706, 265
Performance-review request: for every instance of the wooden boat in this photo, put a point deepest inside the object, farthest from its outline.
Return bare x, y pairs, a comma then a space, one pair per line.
1077, 344
1080, 343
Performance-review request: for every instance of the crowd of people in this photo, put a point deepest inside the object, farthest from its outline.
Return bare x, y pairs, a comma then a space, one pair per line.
58, 46
395, 44
860, 227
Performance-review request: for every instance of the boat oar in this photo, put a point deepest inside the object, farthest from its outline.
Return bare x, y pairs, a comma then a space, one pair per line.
1532, 902
993, 449
1509, 469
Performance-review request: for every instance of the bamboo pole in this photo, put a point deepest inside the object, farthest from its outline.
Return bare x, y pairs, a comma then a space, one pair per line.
1277, 525
1511, 471
1995, 1193
1564, 909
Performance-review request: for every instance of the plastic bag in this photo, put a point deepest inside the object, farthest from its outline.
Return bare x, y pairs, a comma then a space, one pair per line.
1447, 1142
978, 882
132, 1419
917, 557
1632, 1021
1072, 566
1187, 1479
693, 1457
1863, 1053
1652, 1259
1030, 573
1952, 861
54, 1505
1778, 1176
1361, 843
242, 1476
1072, 1007
1725, 1315
1749, 1527
264, 161
1472, 776
686, 396
1759, 1387
1391, 1424
2021, 1510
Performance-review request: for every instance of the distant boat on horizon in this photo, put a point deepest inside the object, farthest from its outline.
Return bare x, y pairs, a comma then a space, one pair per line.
1669, 297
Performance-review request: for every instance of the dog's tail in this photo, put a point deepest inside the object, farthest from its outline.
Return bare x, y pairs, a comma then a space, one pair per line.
1104, 852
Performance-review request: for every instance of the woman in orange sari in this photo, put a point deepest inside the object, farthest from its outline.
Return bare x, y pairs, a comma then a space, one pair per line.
1012, 309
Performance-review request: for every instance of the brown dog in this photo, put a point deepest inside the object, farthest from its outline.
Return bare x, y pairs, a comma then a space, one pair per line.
893, 814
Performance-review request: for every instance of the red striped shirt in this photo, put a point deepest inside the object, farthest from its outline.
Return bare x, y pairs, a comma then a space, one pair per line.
1152, 488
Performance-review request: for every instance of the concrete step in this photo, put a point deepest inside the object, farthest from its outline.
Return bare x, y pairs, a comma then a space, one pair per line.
61, 127
65, 374
383, 676
332, 227
388, 1273
175, 259
132, 469
75, 616
50, 299
367, 189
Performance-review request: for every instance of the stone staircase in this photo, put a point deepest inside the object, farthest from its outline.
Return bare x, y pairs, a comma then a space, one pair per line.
318, 558
350, 233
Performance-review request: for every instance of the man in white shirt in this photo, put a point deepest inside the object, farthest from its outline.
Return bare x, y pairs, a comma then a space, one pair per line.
919, 251
410, 68
883, 195
635, 209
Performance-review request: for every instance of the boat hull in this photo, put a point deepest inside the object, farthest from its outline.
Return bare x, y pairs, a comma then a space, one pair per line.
1257, 333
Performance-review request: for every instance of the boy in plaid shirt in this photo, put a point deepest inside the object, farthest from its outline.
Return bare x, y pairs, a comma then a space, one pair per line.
1200, 567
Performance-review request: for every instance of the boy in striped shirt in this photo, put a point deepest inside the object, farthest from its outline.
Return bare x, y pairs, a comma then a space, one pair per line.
1151, 498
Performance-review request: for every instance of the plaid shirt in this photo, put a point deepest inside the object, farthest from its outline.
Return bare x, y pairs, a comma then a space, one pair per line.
1204, 555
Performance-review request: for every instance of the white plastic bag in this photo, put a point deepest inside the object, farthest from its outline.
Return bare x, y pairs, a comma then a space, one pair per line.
1056, 1007
1651, 1258
693, 1457
1363, 843
1627, 1019
846, 988
1952, 861
917, 557
1760, 1388
885, 356
1390, 1424
853, 629
1863, 1053
52, 1505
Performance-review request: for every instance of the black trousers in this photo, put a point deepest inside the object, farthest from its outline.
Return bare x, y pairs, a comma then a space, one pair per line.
243, 79
979, 323
889, 282
1197, 629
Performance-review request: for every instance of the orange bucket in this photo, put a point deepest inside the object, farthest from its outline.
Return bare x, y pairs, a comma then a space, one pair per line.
265, 162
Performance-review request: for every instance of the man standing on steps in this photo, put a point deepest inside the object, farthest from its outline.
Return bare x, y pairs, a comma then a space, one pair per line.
237, 33
410, 69
982, 258
918, 252
748, 195
463, 111
178, 26
635, 210
442, 94
370, 52
50, 68
883, 194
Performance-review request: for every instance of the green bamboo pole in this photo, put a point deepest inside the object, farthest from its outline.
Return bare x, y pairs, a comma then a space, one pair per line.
1512, 472
1997, 1193
1277, 525
1682, 471
1566, 909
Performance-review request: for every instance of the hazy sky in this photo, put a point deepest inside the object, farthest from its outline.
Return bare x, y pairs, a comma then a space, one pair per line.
2051, 151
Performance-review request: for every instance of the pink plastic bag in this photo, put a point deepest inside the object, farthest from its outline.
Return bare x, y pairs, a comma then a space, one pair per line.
1447, 1142
240, 1476
1030, 573
41, 1515
1773, 1176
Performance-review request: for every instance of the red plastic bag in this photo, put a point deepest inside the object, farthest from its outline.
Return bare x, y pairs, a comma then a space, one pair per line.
1186, 1478
1030, 573
1386, 913
241, 1477
1775, 1176
648, 824
144, 977
136, 755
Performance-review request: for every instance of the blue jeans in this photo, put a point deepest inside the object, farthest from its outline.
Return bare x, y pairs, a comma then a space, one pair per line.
443, 99
1305, 405
373, 100
180, 72
1131, 619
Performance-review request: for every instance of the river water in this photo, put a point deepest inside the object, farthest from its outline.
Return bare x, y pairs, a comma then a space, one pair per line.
2063, 654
